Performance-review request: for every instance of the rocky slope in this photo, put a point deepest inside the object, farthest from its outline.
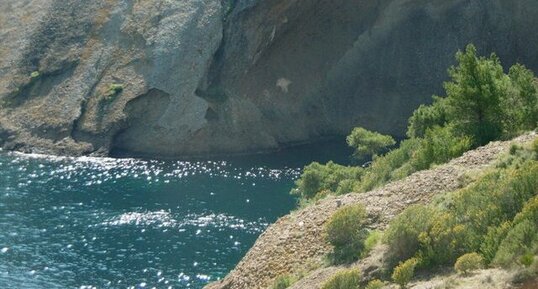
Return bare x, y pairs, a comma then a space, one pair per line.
295, 243
212, 76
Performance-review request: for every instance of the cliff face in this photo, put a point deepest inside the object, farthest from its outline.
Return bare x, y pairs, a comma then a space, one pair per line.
211, 76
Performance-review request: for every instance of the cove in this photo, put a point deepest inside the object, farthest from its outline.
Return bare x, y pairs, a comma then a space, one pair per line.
140, 223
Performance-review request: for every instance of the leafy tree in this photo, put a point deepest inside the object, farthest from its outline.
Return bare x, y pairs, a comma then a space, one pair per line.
474, 95
521, 106
367, 143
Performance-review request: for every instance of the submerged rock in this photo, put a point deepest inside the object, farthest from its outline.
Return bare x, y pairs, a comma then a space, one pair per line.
175, 78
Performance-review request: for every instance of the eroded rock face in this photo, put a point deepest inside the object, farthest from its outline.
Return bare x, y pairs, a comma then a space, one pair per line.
212, 76
57, 83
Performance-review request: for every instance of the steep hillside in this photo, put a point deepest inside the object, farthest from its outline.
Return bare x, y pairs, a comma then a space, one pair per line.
295, 243
175, 78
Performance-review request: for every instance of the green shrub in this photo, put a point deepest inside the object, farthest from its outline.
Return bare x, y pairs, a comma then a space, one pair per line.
529, 211
374, 237
283, 282
114, 90
392, 166
492, 240
514, 148
522, 239
426, 117
346, 186
375, 284
494, 199
404, 272
35, 75
526, 259
440, 145
346, 279
521, 105
317, 177
468, 263
444, 241
367, 143
535, 147
402, 235
345, 231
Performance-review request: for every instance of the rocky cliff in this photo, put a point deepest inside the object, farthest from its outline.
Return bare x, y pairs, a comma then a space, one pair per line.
175, 78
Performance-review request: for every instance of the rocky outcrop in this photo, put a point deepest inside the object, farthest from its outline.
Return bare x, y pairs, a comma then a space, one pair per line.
296, 240
61, 60
212, 76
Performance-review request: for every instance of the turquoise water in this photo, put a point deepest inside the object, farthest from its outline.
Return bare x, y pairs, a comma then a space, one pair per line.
132, 223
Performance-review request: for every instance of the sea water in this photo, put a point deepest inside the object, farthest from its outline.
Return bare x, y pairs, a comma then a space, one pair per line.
138, 223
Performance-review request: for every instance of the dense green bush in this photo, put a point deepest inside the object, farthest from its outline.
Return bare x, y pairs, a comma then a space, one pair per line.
345, 231
392, 166
440, 144
402, 236
492, 240
522, 239
404, 272
527, 259
518, 242
374, 238
535, 147
317, 178
345, 279
521, 106
469, 262
367, 143
427, 116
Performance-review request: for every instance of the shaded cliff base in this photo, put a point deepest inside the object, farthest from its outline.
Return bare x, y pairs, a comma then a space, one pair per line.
295, 244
